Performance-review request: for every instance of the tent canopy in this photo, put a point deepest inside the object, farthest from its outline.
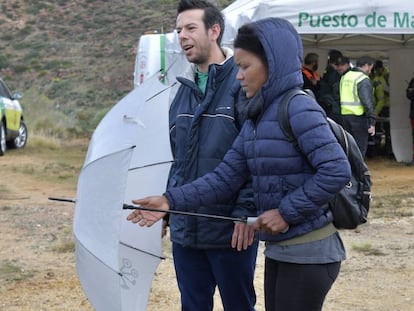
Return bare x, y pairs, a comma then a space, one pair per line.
373, 22
383, 29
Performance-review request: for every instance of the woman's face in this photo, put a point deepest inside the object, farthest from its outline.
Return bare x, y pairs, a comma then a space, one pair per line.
252, 73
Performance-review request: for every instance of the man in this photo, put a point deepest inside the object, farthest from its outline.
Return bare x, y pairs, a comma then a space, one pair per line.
204, 121
310, 74
357, 103
344, 65
329, 86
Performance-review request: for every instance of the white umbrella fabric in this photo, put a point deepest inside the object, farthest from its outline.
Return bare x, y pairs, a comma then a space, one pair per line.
128, 157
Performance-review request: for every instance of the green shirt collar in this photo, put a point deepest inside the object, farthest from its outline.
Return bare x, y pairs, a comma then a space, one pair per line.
201, 79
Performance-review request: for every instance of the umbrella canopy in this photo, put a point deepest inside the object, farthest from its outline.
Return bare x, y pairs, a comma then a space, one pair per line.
128, 157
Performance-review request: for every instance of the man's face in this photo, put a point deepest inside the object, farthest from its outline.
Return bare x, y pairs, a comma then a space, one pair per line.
379, 71
342, 68
315, 65
367, 68
335, 66
194, 39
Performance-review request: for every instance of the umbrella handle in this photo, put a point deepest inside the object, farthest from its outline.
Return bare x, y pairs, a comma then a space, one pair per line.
251, 220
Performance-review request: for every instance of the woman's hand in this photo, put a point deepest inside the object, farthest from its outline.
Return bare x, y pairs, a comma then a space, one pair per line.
148, 218
271, 222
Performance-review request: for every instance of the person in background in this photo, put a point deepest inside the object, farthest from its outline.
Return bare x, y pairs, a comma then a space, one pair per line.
381, 86
410, 96
381, 90
357, 107
205, 118
292, 188
310, 74
344, 65
328, 96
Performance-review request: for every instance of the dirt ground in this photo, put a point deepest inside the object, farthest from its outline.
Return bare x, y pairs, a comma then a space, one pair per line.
37, 264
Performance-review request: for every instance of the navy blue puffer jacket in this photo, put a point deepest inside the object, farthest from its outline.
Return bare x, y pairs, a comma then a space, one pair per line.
282, 178
203, 128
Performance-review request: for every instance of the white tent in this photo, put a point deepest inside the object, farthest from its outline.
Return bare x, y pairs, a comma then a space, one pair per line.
380, 28
383, 29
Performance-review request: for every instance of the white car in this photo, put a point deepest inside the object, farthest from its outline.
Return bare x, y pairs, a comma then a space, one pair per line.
13, 130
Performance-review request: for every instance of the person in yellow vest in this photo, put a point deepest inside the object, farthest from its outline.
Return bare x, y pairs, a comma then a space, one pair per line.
357, 107
382, 102
381, 90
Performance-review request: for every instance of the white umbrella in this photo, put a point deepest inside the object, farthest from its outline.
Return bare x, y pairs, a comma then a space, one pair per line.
128, 157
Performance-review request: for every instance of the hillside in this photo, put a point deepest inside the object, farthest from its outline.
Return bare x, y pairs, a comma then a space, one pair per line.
73, 59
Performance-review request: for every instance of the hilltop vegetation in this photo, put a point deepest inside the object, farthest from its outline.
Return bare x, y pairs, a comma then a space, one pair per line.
73, 59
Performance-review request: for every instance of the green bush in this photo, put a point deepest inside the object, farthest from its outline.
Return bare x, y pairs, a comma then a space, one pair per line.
20, 68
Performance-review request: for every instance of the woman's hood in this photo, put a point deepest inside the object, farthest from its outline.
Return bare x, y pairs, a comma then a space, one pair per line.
284, 51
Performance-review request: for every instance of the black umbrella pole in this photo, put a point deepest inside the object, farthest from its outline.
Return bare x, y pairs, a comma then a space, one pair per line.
249, 220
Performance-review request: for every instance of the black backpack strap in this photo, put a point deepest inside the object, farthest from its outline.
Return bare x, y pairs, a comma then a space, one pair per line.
341, 135
283, 114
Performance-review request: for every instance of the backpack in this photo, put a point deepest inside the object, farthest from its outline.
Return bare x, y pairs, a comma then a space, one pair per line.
350, 205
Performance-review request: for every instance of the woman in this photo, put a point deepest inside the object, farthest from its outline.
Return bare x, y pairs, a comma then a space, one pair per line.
303, 249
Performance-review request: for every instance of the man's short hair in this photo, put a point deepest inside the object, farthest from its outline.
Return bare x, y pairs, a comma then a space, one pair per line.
378, 64
344, 61
334, 57
364, 60
310, 58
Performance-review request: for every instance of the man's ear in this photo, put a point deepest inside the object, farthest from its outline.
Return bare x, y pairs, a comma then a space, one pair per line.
215, 31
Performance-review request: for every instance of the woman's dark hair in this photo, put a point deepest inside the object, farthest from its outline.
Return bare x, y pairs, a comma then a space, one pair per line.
248, 40
212, 14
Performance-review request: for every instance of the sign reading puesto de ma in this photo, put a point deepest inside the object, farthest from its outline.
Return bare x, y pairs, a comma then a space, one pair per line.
397, 20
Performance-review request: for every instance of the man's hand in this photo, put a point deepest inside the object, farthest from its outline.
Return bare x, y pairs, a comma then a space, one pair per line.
271, 222
148, 218
243, 236
371, 130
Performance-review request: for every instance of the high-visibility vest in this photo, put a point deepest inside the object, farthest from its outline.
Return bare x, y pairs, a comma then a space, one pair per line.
348, 92
381, 93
